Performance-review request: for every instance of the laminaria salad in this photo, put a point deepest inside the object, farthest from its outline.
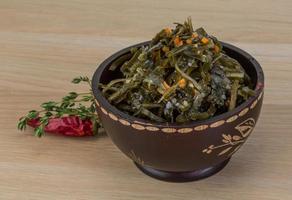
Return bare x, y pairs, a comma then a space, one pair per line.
183, 75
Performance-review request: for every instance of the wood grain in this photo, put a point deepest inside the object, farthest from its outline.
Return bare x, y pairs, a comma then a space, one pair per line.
43, 44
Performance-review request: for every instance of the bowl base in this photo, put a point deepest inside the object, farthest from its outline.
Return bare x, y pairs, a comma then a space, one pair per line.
182, 176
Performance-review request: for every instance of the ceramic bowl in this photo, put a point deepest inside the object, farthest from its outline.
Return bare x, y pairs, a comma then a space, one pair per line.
180, 152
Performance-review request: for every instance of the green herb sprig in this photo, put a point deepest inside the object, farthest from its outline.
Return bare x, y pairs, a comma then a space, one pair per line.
73, 104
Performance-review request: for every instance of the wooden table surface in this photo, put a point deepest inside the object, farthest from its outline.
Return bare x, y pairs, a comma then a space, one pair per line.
44, 44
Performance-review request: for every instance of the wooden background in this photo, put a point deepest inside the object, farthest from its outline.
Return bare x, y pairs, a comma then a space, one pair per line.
44, 44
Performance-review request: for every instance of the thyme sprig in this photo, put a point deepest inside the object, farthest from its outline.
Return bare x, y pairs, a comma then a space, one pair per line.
73, 104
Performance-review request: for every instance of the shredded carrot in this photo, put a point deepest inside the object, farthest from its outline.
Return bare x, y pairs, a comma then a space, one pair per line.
204, 40
165, 49
182, 83
167, 31
194, 35
165, 85
178, 42
216, 49
189, 41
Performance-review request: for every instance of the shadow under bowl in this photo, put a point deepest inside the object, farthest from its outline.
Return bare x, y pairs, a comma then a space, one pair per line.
180, 152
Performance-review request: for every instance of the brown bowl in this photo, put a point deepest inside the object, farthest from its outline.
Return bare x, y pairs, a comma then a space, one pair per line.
180, 152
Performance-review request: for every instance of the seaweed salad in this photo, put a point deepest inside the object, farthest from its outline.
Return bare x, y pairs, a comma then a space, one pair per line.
183, 75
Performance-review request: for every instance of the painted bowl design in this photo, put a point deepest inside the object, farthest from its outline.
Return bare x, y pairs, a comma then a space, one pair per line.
180, 152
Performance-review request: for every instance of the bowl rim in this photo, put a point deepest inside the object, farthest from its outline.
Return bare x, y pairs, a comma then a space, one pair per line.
102, 101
